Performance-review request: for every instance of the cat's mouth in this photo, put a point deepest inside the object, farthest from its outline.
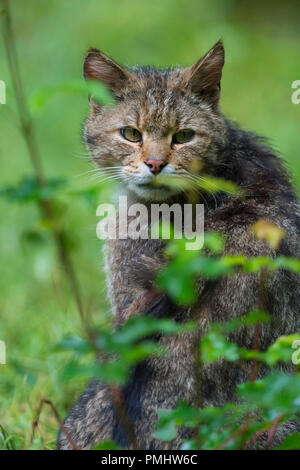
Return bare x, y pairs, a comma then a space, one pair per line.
155, 188
152, 184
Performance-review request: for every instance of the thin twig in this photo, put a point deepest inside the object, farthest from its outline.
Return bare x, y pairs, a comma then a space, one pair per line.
35, 422
258, 326
28, 132
273, 430
271, 427
48, 211
25, 118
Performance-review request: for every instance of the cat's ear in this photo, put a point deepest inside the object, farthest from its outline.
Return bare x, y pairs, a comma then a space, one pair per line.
98, 66
204, 77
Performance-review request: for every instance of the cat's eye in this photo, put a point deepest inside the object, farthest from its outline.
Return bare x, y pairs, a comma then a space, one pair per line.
183, 136
131, 134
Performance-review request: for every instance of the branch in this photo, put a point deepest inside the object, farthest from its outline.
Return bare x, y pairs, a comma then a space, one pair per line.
35, 422
24, 116
258, 327
28, 131
47, 210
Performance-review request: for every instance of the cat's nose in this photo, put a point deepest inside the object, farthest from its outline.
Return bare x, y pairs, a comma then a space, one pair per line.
155, 165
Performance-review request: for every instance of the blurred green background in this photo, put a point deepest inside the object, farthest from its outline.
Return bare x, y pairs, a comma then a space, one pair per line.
37, 310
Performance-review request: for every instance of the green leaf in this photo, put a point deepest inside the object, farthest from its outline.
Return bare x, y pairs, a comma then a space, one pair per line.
169, 420
215, 185
278, 392
166, 432
137, 328
107, 445
40, 98
252, 318
142, 351
28, 190
100, 92
124, 347
281, 350
111, 372
214, 242
292, 442
89, 196
75, 344
215, 346
290, 264
34, 237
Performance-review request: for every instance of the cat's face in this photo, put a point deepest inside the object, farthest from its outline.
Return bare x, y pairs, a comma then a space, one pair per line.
164, 127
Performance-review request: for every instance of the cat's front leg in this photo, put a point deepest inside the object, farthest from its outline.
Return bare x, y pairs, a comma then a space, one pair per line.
90, 420
131, 268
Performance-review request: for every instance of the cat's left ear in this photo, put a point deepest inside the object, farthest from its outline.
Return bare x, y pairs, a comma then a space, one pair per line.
204, 77
98, 66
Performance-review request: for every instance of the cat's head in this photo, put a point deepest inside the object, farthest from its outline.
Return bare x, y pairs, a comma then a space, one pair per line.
164, 122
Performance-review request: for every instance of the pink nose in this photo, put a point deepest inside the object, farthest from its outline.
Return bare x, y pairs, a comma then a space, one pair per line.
155, 165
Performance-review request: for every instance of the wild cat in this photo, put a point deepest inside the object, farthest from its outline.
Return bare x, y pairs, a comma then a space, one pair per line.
168, 122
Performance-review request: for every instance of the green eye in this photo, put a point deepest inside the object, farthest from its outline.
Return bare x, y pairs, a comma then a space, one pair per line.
131, 134
182, 137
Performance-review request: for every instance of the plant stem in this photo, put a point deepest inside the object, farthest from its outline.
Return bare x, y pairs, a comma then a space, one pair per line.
35, 422
24, 116
28, 132
47, 209
258, 327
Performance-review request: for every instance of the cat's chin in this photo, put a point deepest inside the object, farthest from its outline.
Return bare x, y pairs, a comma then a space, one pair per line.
151, 193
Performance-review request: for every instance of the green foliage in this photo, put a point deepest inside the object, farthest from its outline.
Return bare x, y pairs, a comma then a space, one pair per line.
206, 183
215, 185
107, 445
6, 441
179, 276
97, 90
274, 399
278, 393
264, 402
280, 351
292, 442
37, 309
215, 344
119, 350
29, 190
211, 426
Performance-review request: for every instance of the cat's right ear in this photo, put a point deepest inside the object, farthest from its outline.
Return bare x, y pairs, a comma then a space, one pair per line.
204, 77
98, 66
